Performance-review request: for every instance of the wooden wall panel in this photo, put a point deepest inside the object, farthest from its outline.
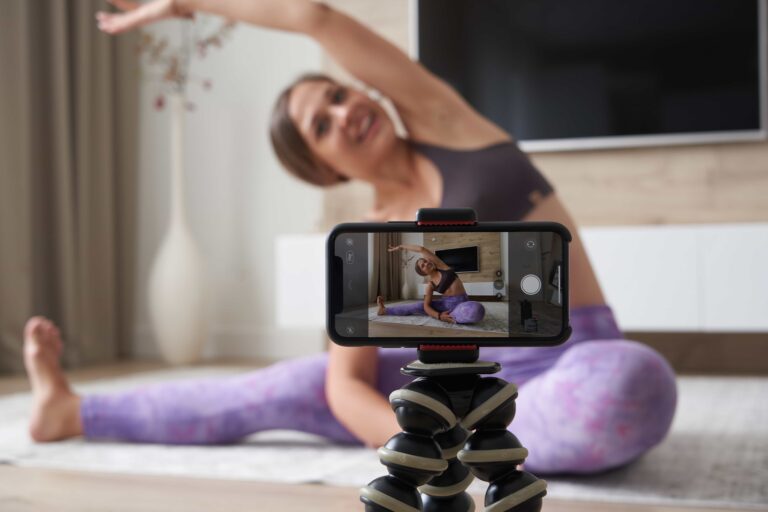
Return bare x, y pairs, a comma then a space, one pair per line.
662, 185
658, 185
490, 251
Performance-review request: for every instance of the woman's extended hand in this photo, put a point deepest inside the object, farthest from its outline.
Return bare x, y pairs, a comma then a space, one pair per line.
135, 15
393, 248
446, 317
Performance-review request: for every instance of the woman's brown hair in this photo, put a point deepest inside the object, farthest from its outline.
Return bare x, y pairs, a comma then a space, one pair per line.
291, 148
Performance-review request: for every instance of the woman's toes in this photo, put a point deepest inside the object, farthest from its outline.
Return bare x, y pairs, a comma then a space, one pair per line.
34, 326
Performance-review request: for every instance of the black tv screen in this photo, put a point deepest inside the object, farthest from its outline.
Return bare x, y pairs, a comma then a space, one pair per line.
577, 69
462, 259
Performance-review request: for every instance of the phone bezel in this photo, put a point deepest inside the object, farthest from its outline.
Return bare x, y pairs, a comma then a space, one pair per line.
412, 227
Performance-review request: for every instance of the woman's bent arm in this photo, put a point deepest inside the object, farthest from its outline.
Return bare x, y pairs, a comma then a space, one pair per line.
353, 398
428, 302
366, 55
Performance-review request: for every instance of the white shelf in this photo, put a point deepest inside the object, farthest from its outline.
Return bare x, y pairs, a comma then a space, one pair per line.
684, 278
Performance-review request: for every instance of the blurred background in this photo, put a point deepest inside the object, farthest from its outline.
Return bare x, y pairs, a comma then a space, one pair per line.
676, 227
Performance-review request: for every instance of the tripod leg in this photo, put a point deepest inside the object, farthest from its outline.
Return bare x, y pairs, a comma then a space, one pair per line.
493, 453
412, 457
446, 492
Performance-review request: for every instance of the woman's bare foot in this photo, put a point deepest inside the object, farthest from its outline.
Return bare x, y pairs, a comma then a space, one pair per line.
56, 411
382, 310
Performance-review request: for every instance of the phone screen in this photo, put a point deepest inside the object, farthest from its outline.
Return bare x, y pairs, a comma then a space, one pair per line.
449, 284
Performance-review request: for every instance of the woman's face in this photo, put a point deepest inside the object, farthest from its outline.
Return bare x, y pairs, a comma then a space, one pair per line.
342, 126
425, 266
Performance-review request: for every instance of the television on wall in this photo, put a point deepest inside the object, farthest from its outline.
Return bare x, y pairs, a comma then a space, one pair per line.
461, 259
572, 74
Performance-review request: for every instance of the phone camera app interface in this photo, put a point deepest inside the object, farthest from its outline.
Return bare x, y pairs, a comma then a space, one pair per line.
451, 284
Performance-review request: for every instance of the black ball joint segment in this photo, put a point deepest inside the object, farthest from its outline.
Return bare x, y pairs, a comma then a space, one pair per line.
437, 453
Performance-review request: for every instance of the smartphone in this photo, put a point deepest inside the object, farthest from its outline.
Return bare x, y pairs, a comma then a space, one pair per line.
398, 284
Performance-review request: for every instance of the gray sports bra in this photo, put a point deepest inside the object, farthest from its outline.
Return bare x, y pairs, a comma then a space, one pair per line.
447, 277
498, 181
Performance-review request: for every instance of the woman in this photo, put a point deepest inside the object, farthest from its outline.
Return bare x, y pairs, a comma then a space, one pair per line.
453, 307
595, 402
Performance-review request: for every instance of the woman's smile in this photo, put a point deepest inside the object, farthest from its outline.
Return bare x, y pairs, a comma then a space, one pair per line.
368, 127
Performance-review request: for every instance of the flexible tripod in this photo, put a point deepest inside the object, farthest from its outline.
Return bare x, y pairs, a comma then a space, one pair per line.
437, 451
436, 457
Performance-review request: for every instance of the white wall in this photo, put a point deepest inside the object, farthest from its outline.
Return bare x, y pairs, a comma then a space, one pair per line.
239, 199
409, 274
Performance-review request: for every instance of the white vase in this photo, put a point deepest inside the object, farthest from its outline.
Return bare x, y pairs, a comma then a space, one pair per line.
404, 290
177, 291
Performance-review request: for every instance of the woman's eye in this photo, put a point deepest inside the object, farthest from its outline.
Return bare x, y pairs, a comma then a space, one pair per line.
339, 96
322, 127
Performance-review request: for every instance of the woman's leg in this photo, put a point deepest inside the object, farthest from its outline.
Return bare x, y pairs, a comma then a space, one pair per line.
603, 404
415, 308
287, 395
468, 312
591, 404
389, 378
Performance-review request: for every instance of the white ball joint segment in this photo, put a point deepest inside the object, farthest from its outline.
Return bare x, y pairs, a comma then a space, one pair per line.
454, 429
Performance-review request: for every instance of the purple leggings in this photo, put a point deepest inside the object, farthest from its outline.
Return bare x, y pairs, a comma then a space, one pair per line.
463, 310
596, 402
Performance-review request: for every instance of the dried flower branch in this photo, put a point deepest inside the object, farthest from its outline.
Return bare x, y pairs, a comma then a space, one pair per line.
174, 62
406, 259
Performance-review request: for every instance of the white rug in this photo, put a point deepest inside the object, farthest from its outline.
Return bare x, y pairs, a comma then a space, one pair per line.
716, 455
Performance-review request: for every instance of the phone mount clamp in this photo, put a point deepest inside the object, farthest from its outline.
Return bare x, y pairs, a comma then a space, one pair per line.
454, 429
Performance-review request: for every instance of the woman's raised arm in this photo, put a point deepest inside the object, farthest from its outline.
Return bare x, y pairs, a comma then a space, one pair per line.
359, 50
425, 253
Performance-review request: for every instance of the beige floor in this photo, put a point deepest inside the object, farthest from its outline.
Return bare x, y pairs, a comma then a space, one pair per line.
41, 490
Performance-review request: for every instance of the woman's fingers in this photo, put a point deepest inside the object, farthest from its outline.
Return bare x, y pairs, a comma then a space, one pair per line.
124, 5
117, 23
136, 16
